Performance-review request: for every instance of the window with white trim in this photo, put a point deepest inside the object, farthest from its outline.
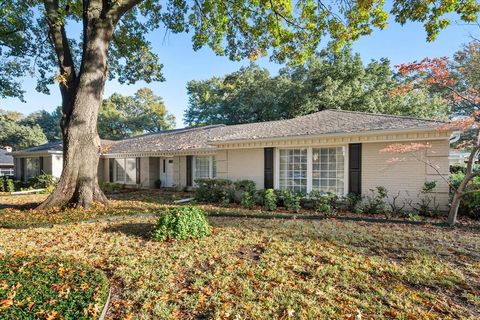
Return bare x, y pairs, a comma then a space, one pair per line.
6, 172
125, 170
293, 170
306, 169
32, 167
328, 170
204, 167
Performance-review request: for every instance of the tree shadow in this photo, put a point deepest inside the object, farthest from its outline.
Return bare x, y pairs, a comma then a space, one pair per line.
23, 206
138, 230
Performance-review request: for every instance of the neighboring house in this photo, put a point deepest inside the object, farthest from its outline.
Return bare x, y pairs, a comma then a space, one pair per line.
46, 158
331, 150
6, 162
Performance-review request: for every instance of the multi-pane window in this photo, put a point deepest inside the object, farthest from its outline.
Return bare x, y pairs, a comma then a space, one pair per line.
6, 172
328, 170
32, 167
125, 170
293, 170
205, 167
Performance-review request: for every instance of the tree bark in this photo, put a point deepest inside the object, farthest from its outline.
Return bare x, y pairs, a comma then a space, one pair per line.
460, 192
78, 184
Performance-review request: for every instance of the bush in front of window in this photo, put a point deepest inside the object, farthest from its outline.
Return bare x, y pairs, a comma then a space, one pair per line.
323, 202
247, 200
9, 185
213, 190
269, 200
110, 187
291, 201
376, 201
42, 181
180, 224
245, 186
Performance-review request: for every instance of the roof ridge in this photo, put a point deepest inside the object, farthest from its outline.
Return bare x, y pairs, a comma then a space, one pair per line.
170, 131
382, 114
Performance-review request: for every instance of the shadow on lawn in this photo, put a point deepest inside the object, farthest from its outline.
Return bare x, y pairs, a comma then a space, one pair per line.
22, 206
139, 230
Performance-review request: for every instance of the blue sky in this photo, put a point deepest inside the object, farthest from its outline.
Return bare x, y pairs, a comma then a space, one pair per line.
182, 63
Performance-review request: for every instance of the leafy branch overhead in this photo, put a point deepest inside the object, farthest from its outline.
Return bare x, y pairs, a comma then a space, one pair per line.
287, 30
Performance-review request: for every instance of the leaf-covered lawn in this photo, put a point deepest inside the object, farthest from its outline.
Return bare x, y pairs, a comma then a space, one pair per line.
18, 211
47, 288
264, 269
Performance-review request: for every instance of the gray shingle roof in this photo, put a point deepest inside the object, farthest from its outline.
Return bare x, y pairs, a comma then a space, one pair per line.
319, 123
169, 140
5, 159
49, 146
324, 122
56, 146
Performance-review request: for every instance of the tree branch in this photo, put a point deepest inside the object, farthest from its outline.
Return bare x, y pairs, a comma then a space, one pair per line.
62, 49
120, 8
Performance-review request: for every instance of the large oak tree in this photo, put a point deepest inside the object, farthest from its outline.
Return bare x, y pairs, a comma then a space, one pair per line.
35, 38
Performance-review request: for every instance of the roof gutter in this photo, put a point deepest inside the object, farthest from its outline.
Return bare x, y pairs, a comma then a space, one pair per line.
35, 153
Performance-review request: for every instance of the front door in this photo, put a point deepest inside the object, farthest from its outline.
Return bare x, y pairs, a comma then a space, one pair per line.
166, 172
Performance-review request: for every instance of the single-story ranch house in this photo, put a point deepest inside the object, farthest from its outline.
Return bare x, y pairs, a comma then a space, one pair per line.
331, 150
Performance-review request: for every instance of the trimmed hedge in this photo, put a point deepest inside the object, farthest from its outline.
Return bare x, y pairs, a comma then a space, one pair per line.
47, 288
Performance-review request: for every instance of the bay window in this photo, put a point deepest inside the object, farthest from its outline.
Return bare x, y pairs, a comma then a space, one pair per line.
306, 169
125, 170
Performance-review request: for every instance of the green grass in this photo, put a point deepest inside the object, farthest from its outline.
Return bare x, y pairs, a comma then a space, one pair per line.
264, 269
46, 288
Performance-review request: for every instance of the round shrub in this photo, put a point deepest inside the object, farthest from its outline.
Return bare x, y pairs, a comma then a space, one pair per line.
180, 224
47, 288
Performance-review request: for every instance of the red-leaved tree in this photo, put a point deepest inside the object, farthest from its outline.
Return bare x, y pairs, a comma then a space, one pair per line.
443, 76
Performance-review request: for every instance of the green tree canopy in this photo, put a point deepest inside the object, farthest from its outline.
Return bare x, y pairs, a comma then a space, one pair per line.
122, 116
19, 136
329, 81
48, 121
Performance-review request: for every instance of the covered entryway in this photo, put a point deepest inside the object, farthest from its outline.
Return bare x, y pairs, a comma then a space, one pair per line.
166, 172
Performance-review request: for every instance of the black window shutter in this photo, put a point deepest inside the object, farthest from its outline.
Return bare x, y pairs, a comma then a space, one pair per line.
137, 167
110, 169
268, 168
41, 160
22, 169
355, 168
189, 171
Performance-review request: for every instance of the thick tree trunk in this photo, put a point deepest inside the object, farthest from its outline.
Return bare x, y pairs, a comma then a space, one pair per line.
78, 184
